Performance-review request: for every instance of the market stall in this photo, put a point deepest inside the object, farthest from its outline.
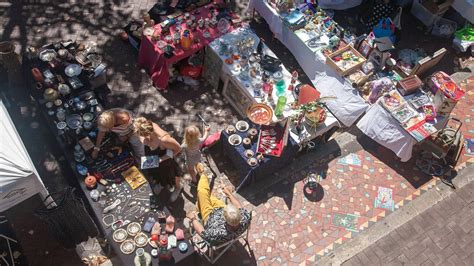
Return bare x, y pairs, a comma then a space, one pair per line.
255, 80
399, 122
168, 42
310, 44
134, 222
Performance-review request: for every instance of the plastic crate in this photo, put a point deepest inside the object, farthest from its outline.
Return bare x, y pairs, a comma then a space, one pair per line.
444, 28
422, 14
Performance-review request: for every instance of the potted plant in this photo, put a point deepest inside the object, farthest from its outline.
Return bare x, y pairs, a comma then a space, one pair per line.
314, 112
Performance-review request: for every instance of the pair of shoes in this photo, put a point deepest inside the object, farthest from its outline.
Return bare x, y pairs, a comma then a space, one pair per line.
175, 194
157, 189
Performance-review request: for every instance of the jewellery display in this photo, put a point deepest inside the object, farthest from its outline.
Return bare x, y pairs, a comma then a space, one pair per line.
119, 223
112, 206
107, 217
120, 235
141, 240
127, 247
133, 228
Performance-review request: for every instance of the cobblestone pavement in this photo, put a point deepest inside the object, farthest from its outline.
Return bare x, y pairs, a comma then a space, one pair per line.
362, 183
442, 235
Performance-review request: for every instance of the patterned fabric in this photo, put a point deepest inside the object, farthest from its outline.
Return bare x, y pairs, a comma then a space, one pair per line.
216, 229
379, 12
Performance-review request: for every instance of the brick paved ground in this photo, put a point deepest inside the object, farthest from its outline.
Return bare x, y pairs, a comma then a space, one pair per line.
288, 227
442, 235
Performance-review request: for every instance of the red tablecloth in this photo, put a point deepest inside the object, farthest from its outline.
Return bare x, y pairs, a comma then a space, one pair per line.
153, 60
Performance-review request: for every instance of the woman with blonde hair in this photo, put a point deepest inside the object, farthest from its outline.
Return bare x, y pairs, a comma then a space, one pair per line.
120, 122
159, 142
192, 142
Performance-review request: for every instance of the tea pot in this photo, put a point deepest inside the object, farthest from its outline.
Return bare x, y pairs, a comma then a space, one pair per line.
50, 94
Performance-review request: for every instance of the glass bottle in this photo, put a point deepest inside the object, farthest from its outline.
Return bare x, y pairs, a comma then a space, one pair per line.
280, 106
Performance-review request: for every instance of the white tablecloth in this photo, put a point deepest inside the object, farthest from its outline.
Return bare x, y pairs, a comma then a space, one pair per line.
270, 15
348, 106
380, 126
465, 8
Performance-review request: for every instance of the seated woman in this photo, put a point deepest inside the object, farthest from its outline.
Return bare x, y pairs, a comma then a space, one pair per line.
120, 122
220, 222
159, 142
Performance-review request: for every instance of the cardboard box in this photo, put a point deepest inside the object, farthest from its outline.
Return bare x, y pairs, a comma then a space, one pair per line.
437, 9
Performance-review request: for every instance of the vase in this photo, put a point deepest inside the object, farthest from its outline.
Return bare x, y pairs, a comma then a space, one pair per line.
186, 40
142, 258
37, 76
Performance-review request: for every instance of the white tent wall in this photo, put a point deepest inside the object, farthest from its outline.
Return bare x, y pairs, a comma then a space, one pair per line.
19, 179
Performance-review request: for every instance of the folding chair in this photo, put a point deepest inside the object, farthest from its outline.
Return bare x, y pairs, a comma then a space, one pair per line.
213, 251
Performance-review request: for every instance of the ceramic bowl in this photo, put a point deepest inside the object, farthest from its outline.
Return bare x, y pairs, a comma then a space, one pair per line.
235, 140
252, 161
242, 126
87, 125
64, 89
61, 125
74, 121
249, 153
120, 235
133, 228
58, 102
47, 55
141, 240
278, 75
87, 117
127, 247
183, 247
73, 70
230, 129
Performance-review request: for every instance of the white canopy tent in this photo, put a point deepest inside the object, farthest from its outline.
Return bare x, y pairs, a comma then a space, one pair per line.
19, 179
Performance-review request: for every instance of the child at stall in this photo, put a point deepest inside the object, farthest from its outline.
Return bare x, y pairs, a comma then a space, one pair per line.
191, 145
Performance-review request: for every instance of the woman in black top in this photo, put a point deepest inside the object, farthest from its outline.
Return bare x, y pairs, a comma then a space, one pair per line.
159, 142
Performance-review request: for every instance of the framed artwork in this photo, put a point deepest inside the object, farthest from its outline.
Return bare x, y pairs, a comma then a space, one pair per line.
364, 48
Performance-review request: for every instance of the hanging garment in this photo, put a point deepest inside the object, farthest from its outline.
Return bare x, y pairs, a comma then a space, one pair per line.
379, 11
69, 221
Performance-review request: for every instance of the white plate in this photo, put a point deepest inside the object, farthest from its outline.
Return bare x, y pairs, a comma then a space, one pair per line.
73, 70
120, 235
127, 247
133, 228
235, 140
141, 240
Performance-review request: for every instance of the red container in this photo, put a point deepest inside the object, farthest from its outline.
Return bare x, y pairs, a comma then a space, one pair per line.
36, 73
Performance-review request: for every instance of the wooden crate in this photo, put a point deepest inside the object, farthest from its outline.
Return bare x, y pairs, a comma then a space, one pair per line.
333, 65
437, 9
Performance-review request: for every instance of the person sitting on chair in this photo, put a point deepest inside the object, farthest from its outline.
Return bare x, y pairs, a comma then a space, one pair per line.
221, 222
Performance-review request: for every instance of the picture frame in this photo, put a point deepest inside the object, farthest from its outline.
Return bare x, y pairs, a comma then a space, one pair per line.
365, 49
